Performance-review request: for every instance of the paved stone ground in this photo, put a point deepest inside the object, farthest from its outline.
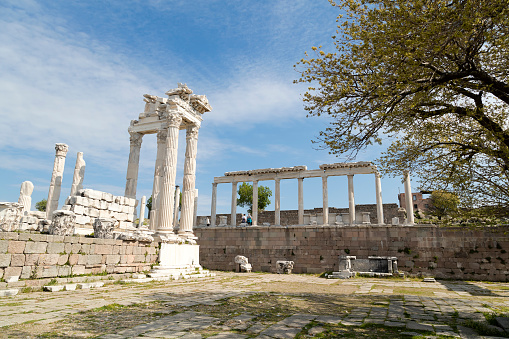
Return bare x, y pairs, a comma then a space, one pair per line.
258, 305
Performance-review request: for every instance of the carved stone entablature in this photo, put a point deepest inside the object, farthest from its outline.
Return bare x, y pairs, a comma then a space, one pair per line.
348, 165
200, 103
136, 138
268, 170
182, 91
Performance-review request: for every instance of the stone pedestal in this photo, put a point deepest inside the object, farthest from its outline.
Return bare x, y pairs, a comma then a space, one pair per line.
56, 179
177, 259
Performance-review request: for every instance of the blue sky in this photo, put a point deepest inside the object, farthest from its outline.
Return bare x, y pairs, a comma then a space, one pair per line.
75, 72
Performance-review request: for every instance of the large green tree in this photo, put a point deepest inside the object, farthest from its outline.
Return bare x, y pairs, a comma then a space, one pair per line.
429, 75
245, 198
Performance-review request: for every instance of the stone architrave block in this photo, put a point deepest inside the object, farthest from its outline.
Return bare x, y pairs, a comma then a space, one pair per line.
109, 197
62, 223
284, 266
93, 194
129, 217
96, 203
103, 205
130, 201
124, 209
103, 228
81, 220
115, 207
122, 216
245, 266
104, 214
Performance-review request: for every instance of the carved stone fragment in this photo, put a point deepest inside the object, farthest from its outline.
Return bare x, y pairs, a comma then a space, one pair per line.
25, 195
284, 266
243, 262
10, 216
103, 228
62, 223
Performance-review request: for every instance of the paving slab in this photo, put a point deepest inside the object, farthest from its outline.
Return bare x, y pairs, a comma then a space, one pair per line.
281, 331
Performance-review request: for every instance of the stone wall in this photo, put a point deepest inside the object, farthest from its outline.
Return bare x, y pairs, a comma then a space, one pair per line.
443, 252
291, 217
91, 204
33, 255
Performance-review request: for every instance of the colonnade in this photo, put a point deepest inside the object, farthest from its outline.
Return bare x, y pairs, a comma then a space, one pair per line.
299, 173
166, 117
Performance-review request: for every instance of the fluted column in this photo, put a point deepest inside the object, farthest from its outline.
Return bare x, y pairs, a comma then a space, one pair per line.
167, 193
56, 179
325, 196
233, 220
79, 174
176, 207
379, 204
301, 200
188, 193
351, 200
277, 205
133, 165
158, 173
408, 198
213, 207
255, 203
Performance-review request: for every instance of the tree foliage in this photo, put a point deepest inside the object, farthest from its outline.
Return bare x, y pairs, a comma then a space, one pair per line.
149, 205
430, 75
443, 204
245, 198
41, 205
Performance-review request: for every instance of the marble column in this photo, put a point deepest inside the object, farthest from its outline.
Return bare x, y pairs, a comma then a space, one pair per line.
142, 212
379, 204
56, 179
188, 193
408, 199
277, 203
162, 134
255, 203
351, 200
195, 210
325, 196
133, 164
301, 200
79, 174
176, 207
213, 206
233, 220
167, 192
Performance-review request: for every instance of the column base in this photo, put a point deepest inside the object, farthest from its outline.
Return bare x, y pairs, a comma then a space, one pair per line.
177, 260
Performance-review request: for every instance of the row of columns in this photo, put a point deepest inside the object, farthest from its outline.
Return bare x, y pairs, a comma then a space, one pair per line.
165, 198
277, 205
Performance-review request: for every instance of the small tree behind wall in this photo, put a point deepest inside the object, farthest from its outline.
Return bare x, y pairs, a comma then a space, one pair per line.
245, 199
41, 205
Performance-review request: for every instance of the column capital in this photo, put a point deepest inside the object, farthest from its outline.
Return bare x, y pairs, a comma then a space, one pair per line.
162, 134
61, 149
192, 131
135, 138
174, 120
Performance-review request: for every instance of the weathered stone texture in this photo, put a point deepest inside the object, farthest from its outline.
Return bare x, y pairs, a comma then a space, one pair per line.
317, 249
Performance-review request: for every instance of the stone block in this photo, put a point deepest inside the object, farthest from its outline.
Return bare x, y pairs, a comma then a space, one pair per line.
103, 249
73, 259
48, 259
53, 288
89, 193
55, 247
122, 216
31, 259
75, 248
26, 272
130, 217
124, 209
56, 238
5, 260
4, 244
114, 207
12, 272
130, 201
104, 214
35, 247
78, 209
95, 203
63, 259
18, 260
64, 270
112, 259
16, 246
49, 272
8, 293
94, 259
93, 212
104, 205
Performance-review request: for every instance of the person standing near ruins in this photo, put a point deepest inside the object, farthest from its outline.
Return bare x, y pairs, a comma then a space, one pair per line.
249, 220
244, 219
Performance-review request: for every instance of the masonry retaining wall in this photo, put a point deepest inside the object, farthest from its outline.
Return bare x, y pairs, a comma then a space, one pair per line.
33, 255
442, 252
